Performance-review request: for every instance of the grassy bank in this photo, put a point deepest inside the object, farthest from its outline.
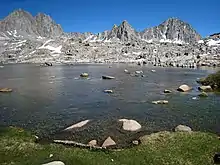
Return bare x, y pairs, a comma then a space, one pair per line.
213, 80
17, 147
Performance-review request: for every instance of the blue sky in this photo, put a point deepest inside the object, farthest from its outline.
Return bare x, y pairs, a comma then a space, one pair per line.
99, 15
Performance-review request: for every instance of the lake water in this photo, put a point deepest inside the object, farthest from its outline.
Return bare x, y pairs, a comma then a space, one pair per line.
46, 100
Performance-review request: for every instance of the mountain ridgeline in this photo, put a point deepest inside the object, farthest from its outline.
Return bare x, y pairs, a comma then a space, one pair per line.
25, 24
44, 26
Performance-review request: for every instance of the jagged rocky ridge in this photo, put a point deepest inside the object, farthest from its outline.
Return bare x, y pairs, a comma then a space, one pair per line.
25, 38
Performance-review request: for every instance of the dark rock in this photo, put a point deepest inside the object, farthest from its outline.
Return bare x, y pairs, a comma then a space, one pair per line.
108, 77
216, 158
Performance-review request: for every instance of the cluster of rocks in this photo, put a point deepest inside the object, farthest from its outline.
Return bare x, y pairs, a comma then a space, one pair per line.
127, 125
174, 43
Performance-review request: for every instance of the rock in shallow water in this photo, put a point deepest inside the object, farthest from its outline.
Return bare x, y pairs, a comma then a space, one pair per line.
160, 102
84, 75
108, 142
205, 88
108, 77
183, 128
108, 91
54, 163
167, 91
130, 125
5, 90
138, 71
184, 88
77, 125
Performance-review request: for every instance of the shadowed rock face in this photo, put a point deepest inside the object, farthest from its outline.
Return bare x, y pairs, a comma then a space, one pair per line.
172, 29
46, 27
25, 24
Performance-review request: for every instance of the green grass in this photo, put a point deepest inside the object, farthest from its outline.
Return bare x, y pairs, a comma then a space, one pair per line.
17, 147
212, 80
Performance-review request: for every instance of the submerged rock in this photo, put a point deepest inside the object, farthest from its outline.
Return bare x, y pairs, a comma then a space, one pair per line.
5, 90
160, 102
54, 163
183, 128
84, 75
108, 142
203, 94
130, 125
108, 77
184, 88
205, 88
77, 125
194, 98
126, 71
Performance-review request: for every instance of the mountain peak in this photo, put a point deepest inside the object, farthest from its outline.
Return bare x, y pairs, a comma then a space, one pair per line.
46, 26
172, 29
125, 23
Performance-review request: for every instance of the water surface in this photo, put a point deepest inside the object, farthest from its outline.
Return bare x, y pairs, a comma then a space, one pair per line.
48, 99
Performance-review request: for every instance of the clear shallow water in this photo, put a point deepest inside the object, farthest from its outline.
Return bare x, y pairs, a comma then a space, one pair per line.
47, 104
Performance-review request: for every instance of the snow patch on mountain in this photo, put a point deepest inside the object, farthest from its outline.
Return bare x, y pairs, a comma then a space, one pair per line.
212, 42
51, 48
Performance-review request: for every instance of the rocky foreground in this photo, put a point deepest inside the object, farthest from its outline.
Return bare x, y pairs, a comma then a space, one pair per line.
195, 148
37, 39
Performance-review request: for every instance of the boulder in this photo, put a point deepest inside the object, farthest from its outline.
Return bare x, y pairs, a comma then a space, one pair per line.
130, 125
77, 125
153, 71
84, 75
167, 91
203, 94
160, 102
184, 88
108, 91
205, 88
108, 77
5, 90
183, 128
108, 142
54, 163
93, 143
